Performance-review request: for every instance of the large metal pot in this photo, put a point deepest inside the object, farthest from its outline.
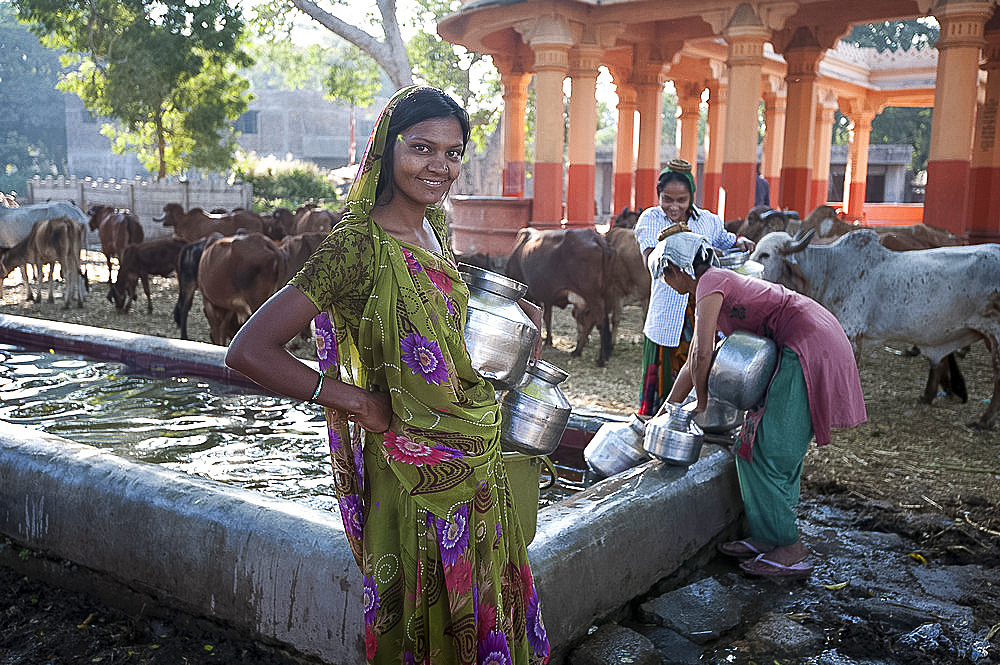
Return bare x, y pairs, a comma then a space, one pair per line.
742, 368
498, 334
719, 416
535, 414
617, 446
674, 446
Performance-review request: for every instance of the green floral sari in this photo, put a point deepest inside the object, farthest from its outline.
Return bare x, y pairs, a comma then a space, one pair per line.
426, 505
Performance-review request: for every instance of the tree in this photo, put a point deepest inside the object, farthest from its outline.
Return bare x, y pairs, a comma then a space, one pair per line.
355, 81
894, 35
32, 113
389, 51
165, 69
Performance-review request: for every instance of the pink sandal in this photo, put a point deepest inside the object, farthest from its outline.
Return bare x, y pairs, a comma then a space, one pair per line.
761, 567
741, 549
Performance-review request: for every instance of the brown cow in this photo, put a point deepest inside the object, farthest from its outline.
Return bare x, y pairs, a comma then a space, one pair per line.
562, 267
139, 261
116, 230
50, 241
297, 249
236, 274
628, 274
195, 224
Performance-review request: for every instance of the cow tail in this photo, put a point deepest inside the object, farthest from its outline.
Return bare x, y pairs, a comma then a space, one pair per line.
607, 341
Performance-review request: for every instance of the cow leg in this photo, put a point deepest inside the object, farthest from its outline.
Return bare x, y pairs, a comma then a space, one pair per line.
547, 317
989, 418
52, 288
27, 283
107, 257
935, 374
145, 288
183, 306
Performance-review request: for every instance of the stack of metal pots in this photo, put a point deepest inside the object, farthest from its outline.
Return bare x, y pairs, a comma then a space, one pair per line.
500, 338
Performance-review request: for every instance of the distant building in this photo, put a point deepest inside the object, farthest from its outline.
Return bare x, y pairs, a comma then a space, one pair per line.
300, 124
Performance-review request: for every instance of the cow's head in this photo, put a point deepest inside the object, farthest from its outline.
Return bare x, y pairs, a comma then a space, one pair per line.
776, 252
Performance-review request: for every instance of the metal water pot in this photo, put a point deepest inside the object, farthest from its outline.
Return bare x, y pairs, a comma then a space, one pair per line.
498, 334
742, 368
674, 446
617, 446
535, 414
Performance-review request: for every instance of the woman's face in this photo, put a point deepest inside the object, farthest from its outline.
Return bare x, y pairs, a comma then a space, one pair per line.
427, 159
678, 280
675, 200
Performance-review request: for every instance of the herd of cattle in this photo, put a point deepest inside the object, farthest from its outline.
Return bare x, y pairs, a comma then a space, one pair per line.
916, 285
236, 259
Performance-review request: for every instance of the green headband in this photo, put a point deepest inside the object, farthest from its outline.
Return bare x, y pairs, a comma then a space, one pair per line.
682, 167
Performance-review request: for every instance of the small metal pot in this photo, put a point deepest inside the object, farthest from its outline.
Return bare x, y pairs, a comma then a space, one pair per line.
673, 446
617, 446
742, 368
535, 414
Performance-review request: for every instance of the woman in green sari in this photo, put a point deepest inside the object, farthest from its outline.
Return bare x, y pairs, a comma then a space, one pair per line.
414, 430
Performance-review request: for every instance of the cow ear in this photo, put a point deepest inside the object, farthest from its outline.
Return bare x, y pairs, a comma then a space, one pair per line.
793, 277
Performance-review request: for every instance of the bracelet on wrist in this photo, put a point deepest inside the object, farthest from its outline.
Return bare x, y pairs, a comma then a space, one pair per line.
319, 387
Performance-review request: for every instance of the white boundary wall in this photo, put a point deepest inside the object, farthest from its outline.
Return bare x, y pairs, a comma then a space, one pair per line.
143, 197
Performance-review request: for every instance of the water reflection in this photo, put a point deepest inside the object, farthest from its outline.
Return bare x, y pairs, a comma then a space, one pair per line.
197, 426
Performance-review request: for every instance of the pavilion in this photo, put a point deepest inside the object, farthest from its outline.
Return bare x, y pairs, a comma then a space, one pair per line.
786, 54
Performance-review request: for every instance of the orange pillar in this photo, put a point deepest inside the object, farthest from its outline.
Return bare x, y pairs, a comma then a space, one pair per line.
745, 62
774, 136
688, 101
800, 128
820, 183
650, 102
580, 202
946, 201
856, 175
716, 132
551, 67
515, 94
624, 149
984, 198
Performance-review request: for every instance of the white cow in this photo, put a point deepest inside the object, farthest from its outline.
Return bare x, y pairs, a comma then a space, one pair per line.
16, 223
937, 299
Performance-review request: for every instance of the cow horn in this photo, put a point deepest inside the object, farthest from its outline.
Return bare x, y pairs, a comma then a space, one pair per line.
799, 242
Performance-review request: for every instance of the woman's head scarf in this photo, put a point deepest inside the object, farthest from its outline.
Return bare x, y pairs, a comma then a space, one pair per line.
680, 247
361, 196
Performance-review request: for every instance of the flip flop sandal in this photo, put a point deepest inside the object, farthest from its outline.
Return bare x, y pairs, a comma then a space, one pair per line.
761, 567
741, 549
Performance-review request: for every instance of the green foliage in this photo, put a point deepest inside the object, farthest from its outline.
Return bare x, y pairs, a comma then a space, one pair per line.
467, 75
895, 35
287, 183
165, 69
907, 126
285, 65
32, 112
353, 79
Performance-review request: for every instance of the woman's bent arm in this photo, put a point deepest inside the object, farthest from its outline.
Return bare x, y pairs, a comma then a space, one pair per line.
258, 351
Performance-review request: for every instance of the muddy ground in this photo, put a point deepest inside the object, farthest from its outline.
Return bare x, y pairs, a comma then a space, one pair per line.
919, 472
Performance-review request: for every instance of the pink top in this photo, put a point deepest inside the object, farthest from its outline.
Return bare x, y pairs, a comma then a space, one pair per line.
803, 325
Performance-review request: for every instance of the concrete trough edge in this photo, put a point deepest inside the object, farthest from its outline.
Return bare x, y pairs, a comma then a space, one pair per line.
284, 571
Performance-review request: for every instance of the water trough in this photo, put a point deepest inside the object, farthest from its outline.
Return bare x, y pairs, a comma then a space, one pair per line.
282, 570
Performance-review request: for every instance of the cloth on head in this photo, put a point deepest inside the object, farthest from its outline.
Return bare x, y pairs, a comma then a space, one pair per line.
680, 249
683, 167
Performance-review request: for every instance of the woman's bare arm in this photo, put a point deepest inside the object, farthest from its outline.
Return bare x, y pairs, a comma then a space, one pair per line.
258, 351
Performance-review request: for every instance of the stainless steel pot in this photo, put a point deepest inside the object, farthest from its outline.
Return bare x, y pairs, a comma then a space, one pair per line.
617, 446
732, 259
719, 416
498, 334
742, 368
535, 414
674, 446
